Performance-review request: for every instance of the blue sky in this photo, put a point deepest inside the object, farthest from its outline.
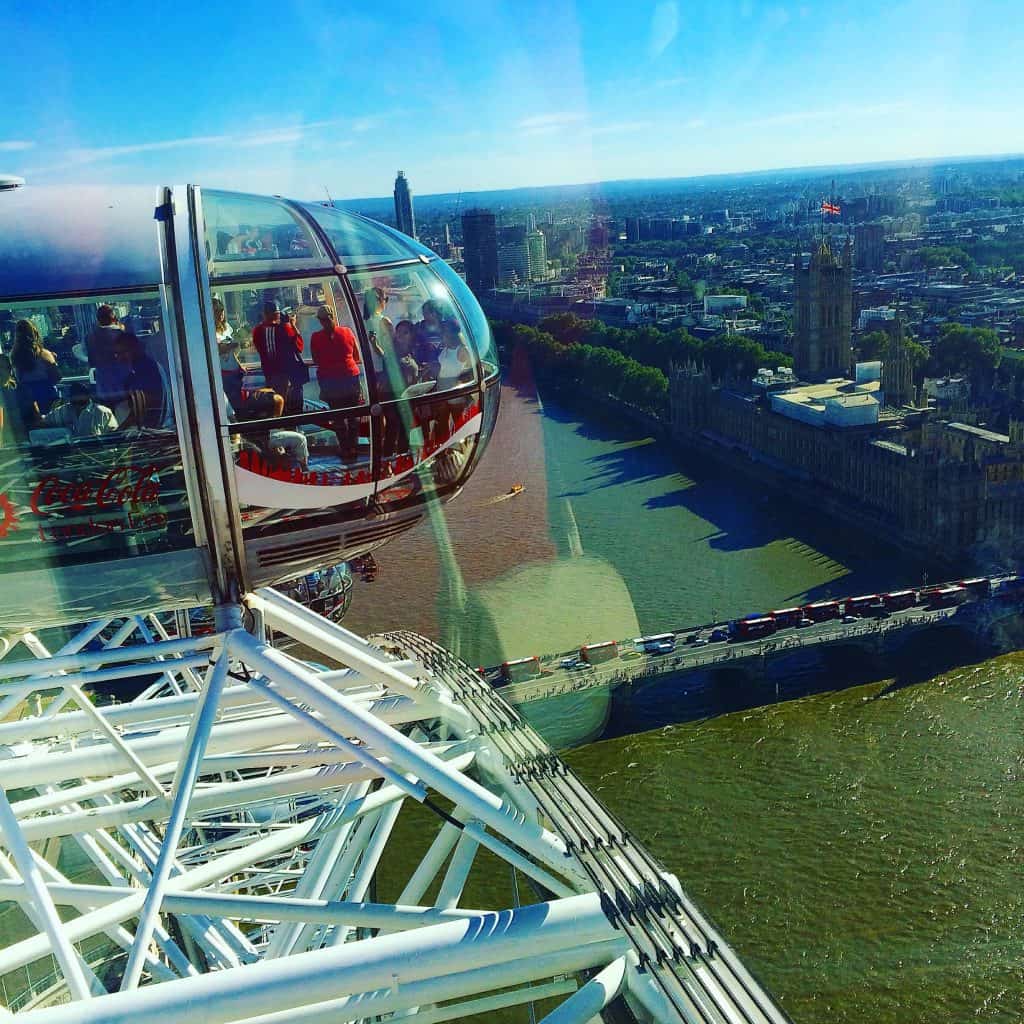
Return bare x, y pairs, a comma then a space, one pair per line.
295, 95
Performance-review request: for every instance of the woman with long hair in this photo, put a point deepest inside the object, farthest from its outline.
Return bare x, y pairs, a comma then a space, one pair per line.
379, 328
231, 371
35, 368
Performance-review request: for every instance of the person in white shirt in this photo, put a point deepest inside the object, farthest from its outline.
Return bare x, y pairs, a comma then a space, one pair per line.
81, 415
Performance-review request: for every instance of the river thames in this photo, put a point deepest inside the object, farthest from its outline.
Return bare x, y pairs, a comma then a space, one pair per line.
861, 848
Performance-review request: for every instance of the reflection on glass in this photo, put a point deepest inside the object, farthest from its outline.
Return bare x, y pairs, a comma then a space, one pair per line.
290, 471
436, 440
491, 404
479, 328
417, 337
90, 465
243, 232
287, 347
358, 241
82, 499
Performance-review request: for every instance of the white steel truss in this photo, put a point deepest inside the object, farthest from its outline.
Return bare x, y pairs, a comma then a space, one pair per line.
209, 848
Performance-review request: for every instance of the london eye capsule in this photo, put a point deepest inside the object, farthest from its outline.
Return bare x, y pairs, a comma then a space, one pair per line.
205, 392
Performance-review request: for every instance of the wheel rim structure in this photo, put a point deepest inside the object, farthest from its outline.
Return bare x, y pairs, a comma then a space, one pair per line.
208, 849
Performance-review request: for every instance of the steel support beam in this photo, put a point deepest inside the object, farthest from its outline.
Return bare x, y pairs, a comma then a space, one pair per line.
391, 962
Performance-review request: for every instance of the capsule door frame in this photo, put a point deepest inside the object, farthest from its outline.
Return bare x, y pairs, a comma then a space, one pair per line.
198, 394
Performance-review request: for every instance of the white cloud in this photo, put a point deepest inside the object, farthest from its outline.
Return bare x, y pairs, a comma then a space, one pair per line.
15, 145
621, 127
835, 114
282, 137
287, 135
549, 124
91, 155
671, 83
664, 26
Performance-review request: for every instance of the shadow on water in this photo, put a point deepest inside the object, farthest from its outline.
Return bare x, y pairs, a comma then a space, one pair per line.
927, 655
742, 514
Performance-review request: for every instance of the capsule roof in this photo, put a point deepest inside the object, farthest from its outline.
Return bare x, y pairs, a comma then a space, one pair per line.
69, 240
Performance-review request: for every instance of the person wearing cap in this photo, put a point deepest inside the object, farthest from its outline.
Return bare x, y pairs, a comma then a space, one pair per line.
336, 355
280, 349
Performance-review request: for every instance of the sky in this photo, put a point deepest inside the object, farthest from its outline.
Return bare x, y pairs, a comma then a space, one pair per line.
297, 96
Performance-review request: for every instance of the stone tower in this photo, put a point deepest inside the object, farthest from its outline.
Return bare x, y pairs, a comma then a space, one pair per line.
824, 310
897, 373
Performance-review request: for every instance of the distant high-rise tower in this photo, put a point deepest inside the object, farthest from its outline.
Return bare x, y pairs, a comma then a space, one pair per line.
897, 372
824, 310
869, 246
404, 217
513, 256
537, 247
480, 250
531, 222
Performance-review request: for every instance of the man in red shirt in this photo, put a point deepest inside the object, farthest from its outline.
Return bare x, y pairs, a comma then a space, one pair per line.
280, 348
336, 354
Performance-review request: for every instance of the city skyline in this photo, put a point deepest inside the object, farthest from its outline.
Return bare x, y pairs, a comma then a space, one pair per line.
571, 95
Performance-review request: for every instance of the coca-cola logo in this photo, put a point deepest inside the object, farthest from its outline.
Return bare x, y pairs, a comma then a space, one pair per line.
121, 486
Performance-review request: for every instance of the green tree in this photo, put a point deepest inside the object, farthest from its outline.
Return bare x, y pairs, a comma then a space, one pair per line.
873, 345
734, 356
969, 350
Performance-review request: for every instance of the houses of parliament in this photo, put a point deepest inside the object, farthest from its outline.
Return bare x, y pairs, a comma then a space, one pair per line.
858, 444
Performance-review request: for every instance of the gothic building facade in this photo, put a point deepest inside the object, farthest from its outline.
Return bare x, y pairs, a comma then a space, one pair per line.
948, 489
824, 313
897, 369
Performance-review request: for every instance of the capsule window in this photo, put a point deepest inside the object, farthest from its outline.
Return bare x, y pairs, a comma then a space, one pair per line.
287, 347
250, 234
359, 242
479, 329
90, 464
418, 340
104, 355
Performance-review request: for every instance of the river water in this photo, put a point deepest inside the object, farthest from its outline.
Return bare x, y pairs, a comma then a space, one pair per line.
861, 848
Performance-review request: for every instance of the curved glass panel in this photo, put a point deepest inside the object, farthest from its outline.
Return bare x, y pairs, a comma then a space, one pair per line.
479, 328
491, 405
249, 234
90, 462
416, 247
436, 443
60, 241
358, 241
287, 347
417, 337
310, 468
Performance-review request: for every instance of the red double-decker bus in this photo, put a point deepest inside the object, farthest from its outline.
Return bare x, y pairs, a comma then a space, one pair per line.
520, 669
862, 605
947, 597
820, 611
594, 654
786, 617
752, 629
977, 588
899, 599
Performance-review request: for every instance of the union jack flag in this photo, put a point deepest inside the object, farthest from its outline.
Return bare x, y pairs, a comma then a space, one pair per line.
830, 208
